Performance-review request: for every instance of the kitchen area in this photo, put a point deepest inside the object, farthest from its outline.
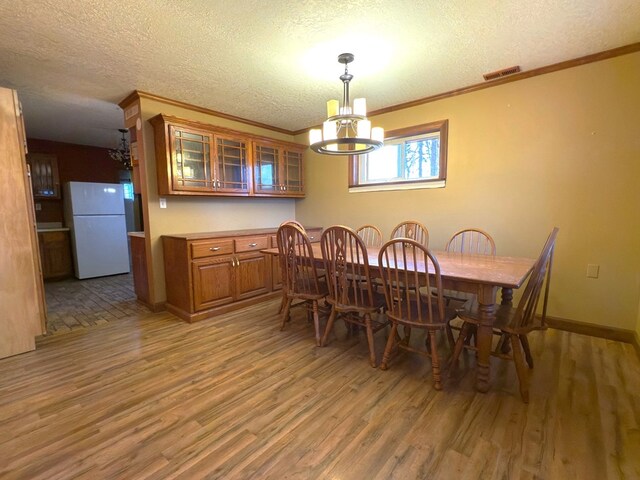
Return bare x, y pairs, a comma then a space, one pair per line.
84, 207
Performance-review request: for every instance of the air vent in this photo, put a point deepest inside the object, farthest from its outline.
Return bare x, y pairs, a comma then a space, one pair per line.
501, 73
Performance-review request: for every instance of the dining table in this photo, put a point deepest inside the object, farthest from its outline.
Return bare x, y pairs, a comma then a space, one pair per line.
482, 275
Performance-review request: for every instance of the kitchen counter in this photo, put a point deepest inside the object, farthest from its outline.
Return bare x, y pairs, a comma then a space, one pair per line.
230, 233
136, 234
57, 229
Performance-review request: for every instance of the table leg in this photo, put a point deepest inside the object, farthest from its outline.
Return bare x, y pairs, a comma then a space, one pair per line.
487, 314
507, 297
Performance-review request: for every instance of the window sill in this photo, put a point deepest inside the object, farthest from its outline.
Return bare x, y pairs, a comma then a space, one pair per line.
397, 186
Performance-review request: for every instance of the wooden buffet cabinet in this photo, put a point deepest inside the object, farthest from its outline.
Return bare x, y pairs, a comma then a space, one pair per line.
211, 273
55, 253
195, 158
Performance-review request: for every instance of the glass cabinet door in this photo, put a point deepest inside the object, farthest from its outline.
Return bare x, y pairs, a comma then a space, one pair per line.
231, 167
292, 166
266, 169
191, 159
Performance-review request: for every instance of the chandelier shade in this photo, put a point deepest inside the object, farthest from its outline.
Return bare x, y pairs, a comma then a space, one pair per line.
346, 131
122, 154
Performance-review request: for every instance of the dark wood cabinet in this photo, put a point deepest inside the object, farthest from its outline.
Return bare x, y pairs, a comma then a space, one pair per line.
194, 158
139, 267
45, 179
55, 255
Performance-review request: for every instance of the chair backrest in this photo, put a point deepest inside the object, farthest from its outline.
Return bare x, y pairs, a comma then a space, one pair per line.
370, 235
296, 260
293, 222
471, 240
413, 230
526, 310
347, 268
412, 296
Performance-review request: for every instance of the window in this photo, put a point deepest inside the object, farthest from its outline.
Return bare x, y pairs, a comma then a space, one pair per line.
414, 157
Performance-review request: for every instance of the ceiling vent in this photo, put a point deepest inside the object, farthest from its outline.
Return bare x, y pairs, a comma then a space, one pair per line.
501, 73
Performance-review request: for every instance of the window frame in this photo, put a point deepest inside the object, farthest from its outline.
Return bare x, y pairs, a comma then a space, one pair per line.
440, 126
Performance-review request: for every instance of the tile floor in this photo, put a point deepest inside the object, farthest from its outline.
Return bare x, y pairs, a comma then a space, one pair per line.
73, 304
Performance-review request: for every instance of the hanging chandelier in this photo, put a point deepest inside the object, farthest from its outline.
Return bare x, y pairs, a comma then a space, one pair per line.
122, 154
346, 130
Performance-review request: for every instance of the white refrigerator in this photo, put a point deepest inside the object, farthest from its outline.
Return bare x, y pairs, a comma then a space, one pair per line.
94, 213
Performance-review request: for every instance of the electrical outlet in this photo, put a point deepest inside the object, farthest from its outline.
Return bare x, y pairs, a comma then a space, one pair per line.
593, 270
38, 207
163, 202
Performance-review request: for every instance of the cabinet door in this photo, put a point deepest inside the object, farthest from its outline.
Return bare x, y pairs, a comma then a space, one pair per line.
253, 275
44, 175
190, 159
231, 171
213, 282
266, 169
55, 254
292, 176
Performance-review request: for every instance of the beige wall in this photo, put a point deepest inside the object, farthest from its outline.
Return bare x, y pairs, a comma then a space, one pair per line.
558, 149
202, 214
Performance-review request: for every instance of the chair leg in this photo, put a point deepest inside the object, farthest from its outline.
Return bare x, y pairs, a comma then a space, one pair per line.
435, 361
316, 321
521, 369
527, 350
372, 351
450, 339
460, 343
389, 347
283, 302
285, 314
327, 330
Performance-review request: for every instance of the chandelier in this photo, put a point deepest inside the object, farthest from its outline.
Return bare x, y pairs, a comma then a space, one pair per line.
122, 154
346, 130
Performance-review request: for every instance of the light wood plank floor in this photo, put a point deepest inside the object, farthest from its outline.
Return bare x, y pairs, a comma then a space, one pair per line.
234, 398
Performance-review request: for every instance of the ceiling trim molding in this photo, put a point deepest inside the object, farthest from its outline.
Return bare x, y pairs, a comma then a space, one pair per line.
595, 57
137, 94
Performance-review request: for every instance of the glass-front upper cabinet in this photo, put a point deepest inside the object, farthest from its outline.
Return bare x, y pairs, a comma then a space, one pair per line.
195, 158
266, 163
278, 170
231, 165
190, 159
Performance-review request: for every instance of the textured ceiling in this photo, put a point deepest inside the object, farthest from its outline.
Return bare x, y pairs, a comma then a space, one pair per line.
275, 61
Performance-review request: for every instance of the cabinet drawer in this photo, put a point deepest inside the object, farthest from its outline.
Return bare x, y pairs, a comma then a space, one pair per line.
210, 248
314, 235
251, 244
274, 241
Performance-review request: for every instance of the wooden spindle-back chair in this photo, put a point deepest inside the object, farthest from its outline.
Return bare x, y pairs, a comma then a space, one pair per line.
299, 274
370, 235
513, 324
413, 230
404, 265
351, 292
471, 240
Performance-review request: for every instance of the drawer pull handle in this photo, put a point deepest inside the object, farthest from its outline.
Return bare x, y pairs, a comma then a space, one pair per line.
214, 249
253, 245
311, 238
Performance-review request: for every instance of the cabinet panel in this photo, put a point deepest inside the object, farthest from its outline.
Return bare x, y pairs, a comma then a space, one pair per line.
190, 159
44, 175
266, 161
55, 255
231, 165
253, 275
292, 171
213, 282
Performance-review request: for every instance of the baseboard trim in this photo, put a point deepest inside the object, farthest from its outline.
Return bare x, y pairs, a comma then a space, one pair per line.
600, 331
636, 343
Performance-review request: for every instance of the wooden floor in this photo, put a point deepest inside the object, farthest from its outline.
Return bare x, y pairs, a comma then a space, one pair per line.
235, 398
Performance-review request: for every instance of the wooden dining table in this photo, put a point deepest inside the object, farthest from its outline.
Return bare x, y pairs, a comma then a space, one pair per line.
482, 275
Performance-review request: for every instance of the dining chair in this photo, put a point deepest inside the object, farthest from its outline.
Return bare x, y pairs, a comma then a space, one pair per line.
513, 324
370, 235
292, 222
352, 295
473, 241
300, 276
403, 263
413, 230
